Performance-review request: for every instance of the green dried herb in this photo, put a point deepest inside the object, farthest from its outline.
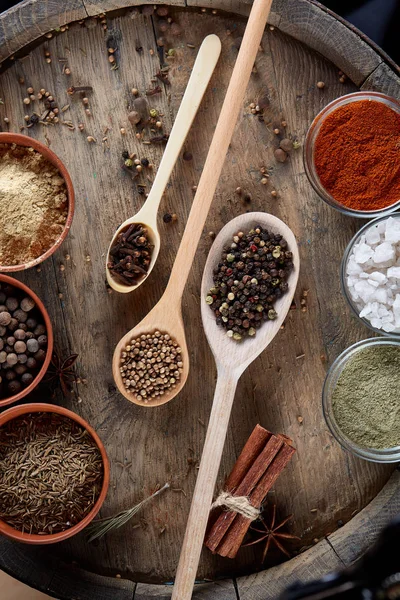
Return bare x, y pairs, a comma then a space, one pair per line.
99, 528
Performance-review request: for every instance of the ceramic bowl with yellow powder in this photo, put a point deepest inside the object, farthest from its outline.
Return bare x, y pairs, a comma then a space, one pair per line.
361, 399
36, 200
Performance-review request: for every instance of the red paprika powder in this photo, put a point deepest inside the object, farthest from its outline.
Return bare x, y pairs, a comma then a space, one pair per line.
357, 155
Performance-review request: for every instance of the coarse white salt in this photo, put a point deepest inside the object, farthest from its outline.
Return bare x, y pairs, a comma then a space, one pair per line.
383, 253
372, 235
373, 275
394, 272
362, 252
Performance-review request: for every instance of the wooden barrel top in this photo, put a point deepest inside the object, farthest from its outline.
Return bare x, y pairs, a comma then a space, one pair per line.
323, 486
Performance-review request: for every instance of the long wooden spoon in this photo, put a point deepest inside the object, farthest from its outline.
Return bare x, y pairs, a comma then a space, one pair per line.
232, 358
166, 316
200, 76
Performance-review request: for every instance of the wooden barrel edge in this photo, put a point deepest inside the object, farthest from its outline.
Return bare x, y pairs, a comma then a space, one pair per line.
305, 20
35, 567
368, 67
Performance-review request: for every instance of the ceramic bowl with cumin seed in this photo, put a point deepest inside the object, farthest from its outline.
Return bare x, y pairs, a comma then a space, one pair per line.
38, 202
39, 312
54, 473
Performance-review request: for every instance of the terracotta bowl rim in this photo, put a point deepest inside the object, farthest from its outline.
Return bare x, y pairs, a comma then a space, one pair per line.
25, 140
49, 333
30, 538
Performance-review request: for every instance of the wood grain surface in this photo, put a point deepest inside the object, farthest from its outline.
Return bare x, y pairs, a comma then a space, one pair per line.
147, 448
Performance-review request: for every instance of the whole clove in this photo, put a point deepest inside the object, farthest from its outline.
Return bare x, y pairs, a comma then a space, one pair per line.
130, 255
159, 138
154, 91
163, 77
72, 90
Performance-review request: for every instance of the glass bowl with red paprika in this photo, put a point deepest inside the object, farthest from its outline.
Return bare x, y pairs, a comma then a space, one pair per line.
351, 154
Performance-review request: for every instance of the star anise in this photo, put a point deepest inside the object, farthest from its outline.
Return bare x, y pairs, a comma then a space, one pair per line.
271, 533
62, 371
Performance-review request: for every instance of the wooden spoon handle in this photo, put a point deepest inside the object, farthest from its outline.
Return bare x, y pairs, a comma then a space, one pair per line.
206, 478
203, 69
219, 145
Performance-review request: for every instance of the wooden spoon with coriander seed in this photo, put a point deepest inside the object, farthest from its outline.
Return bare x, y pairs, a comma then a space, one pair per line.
232, 358
202, 71
166, 316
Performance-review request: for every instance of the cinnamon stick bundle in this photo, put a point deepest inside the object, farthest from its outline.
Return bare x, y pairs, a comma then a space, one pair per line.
259, 465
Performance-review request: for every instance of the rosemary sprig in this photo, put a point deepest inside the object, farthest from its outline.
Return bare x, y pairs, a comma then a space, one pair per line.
99, 528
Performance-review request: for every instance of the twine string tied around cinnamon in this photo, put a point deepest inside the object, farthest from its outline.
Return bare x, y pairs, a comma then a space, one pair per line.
238, 504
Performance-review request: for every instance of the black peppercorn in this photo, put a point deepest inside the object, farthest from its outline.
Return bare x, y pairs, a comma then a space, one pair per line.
12, 304
248, 280
34, 119
20, 315
40, 355
27, 378
14, 387
40, 330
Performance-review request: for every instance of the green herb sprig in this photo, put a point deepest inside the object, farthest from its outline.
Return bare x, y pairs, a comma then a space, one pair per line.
99, 528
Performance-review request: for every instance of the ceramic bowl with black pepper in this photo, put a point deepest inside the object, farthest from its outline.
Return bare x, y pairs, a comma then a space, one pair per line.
37, 202
26, 340
54, 473
351, 154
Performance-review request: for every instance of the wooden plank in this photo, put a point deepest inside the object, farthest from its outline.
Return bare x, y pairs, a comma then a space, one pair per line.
341, 549
352, 540
27, 564
268, 585
42, 571
306, 21
238, 7
30, 19
223, 590
76, 584
96, 7
318, 28
383, 79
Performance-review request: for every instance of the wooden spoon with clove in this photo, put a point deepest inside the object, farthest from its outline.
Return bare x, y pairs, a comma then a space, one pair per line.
166, 316
203, 68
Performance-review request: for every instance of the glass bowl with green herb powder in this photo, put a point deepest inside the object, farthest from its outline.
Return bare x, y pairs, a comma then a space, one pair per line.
361, 399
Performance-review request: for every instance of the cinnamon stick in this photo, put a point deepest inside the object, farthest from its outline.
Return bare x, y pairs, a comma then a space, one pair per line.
248, 455
250, 482
233, 538
252, 448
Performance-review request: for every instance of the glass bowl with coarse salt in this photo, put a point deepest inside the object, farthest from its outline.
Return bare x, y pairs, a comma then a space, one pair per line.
370, 275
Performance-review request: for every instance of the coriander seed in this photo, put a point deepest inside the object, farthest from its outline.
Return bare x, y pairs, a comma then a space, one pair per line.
151, 365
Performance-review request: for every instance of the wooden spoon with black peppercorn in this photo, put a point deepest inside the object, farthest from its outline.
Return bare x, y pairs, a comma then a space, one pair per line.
136, 243
232, 358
